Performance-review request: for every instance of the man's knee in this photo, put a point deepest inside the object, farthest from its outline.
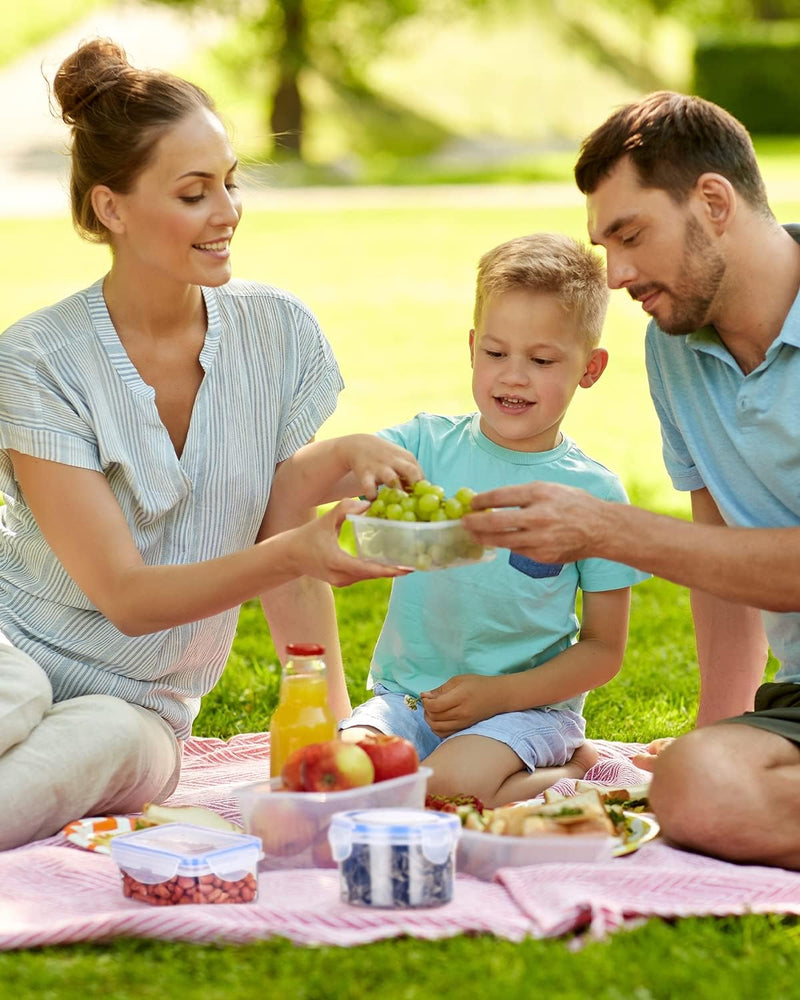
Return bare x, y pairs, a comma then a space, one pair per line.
697, 782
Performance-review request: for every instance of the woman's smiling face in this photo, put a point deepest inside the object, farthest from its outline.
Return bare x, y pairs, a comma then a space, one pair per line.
180, 216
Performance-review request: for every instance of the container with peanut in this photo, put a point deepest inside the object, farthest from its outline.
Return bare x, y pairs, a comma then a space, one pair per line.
177, 863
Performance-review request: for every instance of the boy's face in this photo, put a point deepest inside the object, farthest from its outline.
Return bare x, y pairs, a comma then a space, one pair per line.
528, 358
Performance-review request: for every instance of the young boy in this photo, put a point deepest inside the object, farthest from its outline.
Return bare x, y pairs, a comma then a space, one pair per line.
485, 667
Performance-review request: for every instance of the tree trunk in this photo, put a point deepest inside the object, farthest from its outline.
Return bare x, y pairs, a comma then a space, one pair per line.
286, 119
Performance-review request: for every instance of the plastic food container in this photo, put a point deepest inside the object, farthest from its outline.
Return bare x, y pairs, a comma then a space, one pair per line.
293, 826
424, 545
481, 854
398, 858
181, 863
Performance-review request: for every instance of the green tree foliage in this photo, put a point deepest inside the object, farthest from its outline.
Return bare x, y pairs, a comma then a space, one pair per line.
700, 13
335, 38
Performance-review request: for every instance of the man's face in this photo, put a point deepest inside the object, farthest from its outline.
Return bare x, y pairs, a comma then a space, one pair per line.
657, 250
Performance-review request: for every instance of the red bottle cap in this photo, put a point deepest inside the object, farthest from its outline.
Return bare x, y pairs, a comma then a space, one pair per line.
304, 649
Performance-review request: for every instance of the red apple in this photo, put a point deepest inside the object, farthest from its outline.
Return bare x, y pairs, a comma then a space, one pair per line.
294, 769
391, 756
336, 767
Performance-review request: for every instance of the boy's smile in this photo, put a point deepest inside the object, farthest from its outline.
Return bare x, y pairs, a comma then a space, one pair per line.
528, 358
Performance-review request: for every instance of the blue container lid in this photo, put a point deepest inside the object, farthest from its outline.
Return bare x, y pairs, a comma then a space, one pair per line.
159, 852
436, 834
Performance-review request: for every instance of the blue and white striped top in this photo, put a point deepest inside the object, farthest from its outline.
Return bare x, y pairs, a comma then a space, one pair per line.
69, 394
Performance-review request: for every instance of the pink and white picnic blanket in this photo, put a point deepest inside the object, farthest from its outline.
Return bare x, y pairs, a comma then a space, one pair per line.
52, 892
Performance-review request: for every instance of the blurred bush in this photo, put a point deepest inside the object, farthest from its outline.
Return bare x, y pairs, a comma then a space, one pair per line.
752, 71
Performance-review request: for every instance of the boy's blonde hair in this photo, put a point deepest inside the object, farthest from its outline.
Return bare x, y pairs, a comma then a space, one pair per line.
551, 263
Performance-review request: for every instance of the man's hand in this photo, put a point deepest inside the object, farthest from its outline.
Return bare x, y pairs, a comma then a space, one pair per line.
544, 521
459, 703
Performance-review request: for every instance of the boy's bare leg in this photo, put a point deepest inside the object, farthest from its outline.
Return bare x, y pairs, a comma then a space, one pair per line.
487, 768
356, 733
731, 791
647, 760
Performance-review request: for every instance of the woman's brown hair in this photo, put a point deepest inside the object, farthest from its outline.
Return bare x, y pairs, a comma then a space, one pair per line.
117, 114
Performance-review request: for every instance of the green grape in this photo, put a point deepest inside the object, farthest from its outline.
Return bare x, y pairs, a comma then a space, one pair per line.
376, 509
389, 494
464, 496
409, 503
421, 486
453, 508
394, 512
439, 515
408, 515
426, 505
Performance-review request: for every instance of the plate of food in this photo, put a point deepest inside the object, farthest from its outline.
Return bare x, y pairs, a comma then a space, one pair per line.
629, 809
579, 828
95, 833
641, 830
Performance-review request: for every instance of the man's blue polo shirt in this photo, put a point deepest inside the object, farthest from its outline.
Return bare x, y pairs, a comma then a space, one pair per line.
737, 435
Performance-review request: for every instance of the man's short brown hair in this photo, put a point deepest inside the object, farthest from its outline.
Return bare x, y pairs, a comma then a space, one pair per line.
672, 139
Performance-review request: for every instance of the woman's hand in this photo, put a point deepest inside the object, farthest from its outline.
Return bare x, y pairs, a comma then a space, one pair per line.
318, 553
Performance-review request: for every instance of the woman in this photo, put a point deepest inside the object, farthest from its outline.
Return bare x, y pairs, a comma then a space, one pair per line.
141, 424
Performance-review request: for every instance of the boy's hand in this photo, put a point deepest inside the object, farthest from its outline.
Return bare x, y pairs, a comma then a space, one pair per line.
459, 703
374, 461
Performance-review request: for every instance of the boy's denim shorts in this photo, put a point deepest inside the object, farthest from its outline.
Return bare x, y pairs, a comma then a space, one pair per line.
540, 737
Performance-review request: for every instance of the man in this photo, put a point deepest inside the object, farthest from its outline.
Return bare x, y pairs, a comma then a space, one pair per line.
675, 196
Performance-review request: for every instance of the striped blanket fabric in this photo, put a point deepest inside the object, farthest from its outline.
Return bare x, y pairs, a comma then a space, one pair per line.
52, 892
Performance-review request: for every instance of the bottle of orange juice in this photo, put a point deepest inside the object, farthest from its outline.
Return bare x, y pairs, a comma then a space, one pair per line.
303, 715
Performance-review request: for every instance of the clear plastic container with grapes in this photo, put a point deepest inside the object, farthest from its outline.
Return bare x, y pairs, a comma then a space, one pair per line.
420, 527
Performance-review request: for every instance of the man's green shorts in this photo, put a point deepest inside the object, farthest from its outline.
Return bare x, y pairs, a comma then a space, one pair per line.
777, 709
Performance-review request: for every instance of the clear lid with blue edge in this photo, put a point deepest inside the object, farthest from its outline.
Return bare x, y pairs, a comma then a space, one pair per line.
157, 853
436, 834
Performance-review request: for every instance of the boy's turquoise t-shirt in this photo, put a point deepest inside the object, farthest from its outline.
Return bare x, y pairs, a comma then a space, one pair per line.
496, 617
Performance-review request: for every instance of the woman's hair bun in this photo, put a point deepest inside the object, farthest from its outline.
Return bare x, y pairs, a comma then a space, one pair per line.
93, 68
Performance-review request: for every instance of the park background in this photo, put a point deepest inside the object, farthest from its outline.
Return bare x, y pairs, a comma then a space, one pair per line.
429, 132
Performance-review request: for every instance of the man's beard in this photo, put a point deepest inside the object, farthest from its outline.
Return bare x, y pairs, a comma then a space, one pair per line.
699, 279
